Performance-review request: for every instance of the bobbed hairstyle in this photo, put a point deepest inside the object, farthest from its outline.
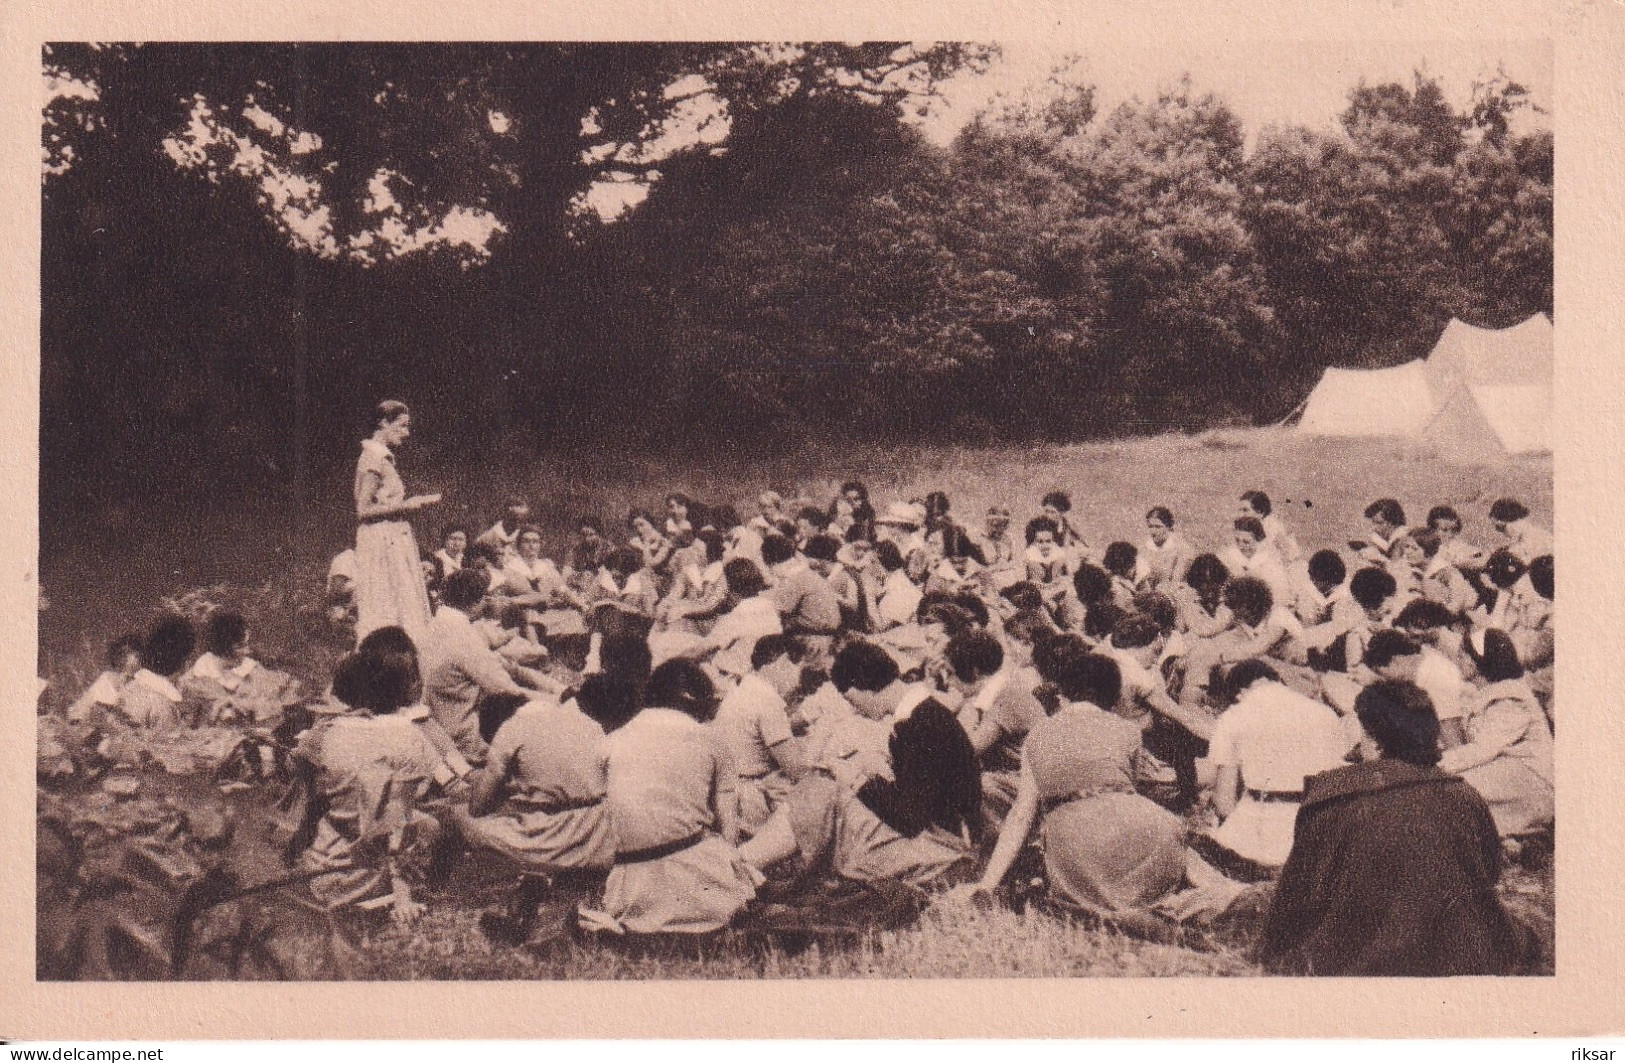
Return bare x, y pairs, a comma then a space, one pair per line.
1244, 674
822, 548
1023, 595
1399, 717
625, 654
169, 643
1158, 608
391, 639
974, 655
1089, 677
1326, 566
1162, 515
1541, 576
1258, 501
1249, 597
863, 666
1498, 661
1507, 510
956, 542
770, 648
1041, 524
1100, 619
623, 561
776, 549
1439, 514
224, 632
714, 544
1387, 510
1251, 525
388, 412
350, 680
1206, 571
682, 685
743, 577
464, 588
1504, 568
391, 680
1059, 500
609, 700
1370, 587
1388, 645
1091, 583
1135, 631
1423, 614
1120, 558
121, 648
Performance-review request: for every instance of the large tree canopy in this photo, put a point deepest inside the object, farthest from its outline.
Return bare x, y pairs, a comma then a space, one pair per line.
247, 245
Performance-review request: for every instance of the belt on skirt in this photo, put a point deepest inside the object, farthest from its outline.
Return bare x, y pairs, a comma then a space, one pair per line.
656, 852
1272, 796
1050, 804
395, 519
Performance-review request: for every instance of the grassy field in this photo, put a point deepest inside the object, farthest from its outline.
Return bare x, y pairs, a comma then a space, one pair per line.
107, 570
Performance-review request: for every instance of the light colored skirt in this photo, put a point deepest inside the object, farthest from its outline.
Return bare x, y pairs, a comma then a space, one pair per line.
694, 891
1114, 853
578, 838
389, 587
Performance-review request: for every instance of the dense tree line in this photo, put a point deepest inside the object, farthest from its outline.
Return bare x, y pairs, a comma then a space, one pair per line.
245, 246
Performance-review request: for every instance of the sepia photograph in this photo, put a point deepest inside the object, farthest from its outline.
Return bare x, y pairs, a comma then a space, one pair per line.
795, 510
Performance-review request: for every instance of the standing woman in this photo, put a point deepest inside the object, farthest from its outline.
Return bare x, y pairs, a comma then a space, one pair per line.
389, 584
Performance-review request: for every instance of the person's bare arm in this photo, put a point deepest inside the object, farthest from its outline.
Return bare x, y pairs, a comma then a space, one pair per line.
1018, 825
789, 758
1227, 790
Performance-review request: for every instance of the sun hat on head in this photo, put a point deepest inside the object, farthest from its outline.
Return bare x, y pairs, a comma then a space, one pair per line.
903, 514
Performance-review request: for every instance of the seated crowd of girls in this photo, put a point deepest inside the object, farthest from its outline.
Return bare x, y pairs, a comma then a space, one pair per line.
890, 697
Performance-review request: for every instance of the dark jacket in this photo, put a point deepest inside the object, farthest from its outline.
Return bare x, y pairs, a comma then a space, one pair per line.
1392, 872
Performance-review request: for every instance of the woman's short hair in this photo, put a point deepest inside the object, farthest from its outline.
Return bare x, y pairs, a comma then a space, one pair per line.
1158, 608
609, 700
861, 531
1252, 526
1242, 675
1326, 566
863, 666
1388, 510
1498, 660
1162, 514
624, 560
391, 680
974, 655
724, 518
1120, 559
390, 639
1428, 540
936, 504
1386, 646
1041, 524
638, 513
1423, 614
590, 521
1439, 514
168, 645
1059, 500
1541, 576
682, 684
855, 486
889, 556
1091, 583
744, 577
451, 529
814, 516
224, 632
770, 648
1507, 510
350, 680
1370, 587
1249, 597
715, 545
1399, 717
1504, 568
1089, 677
679, 498
822, 548
1023, 595
626, 654
465, 587
389, 411
776, 548
528, 530
1100, 619
1258, 501
1134, 631
1206, 571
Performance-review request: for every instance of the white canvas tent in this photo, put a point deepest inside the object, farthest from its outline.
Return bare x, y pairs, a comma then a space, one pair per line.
1374, 402
1482, 394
